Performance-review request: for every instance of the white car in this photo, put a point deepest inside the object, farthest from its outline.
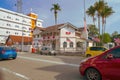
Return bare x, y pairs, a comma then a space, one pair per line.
47, 51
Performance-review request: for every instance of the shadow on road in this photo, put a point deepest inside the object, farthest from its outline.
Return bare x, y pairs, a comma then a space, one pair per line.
65, 72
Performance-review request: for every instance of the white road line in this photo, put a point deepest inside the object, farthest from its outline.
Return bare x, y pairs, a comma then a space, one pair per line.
49, 61
14, 73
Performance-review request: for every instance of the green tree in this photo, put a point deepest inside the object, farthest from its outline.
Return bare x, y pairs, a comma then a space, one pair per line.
106, 12
99, 6
102, 10
93, 31
55, 8
107, 38
91, 12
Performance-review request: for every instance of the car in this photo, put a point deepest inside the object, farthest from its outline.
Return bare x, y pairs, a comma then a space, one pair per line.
7, 52
47, 51
105, 66
93, 51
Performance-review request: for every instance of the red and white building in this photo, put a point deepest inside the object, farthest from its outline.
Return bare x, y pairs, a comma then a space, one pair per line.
62, 37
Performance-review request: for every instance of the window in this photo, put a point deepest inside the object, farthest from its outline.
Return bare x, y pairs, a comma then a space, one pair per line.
7, 32
37, 36
79, 44
8, 17
17, 19
16, 33
115, 53
97, 49
64, 44
8, 24
24, 21
71, 44
16, 26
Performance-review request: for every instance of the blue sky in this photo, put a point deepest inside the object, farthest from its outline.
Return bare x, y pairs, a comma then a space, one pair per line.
72, 11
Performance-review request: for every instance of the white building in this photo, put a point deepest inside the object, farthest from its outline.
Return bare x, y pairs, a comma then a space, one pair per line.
61, 37
13, 23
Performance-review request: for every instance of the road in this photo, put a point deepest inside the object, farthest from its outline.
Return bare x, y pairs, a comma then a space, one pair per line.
29, 66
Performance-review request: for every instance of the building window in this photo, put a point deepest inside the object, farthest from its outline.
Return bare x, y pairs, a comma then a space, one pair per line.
24, 21
16, 26
8, 17
64, 44
7, 32
17, 19
8, 24
37, 43
79, 44
37, 36
16, 33
71, 44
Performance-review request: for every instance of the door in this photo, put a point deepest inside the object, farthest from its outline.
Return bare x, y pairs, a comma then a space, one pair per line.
111, 67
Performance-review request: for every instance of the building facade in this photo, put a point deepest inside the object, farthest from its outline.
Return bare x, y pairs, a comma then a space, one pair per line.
13, 23
61, 37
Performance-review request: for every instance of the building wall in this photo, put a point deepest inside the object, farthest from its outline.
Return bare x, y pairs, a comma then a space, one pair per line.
67, 34
13, 23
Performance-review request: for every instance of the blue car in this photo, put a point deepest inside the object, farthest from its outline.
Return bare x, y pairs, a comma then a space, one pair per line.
7, 52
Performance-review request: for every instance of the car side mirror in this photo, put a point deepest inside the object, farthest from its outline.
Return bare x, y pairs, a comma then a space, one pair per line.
110, 56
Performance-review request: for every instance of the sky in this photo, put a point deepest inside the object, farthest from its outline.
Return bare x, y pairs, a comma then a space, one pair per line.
72, 11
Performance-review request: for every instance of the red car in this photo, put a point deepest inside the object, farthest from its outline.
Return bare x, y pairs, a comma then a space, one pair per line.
105, 66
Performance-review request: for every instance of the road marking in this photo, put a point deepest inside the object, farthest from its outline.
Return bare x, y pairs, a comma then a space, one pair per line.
17, 74
49, 61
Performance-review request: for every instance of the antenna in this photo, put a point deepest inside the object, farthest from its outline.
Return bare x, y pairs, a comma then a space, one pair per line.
19, 6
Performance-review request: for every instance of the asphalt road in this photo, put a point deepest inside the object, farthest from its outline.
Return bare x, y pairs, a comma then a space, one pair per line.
30, 66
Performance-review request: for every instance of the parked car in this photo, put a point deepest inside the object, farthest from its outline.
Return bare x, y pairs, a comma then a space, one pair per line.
7, 52
93, 51
105, 66
47, 51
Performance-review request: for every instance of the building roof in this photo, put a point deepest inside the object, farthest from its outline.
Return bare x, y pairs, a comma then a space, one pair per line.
58, 26
40, 28
12, 39
54, 27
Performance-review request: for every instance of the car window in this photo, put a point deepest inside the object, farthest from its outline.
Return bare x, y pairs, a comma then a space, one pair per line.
93, 48
97, 49
101, 49
8, 48
115, 53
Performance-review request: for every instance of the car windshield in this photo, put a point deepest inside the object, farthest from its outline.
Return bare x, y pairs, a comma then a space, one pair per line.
8, 48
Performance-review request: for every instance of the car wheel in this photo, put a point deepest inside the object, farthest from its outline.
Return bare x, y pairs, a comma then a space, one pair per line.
49, 53
92, 74
54, 54
88, 55
41, 53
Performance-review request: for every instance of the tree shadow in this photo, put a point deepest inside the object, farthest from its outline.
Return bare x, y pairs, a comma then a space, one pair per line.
65, 72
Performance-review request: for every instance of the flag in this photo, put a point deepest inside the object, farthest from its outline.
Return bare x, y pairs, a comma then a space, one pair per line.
85, 32
96, 39
67, 39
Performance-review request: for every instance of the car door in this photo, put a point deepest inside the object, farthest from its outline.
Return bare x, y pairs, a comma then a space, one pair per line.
111, 67
93, 51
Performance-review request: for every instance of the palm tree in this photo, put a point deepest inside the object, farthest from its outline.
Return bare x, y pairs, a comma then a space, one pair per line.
91, 12
107, 11
56, 8
99, 6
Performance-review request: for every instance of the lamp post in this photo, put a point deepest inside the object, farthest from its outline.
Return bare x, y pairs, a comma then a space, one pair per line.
22, 41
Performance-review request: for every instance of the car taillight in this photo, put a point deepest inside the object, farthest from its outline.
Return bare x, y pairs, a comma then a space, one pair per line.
3, 51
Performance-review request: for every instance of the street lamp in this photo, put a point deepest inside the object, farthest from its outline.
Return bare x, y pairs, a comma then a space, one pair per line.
22, 41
